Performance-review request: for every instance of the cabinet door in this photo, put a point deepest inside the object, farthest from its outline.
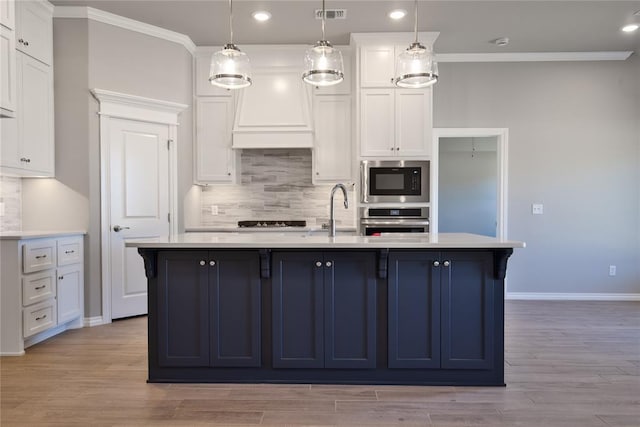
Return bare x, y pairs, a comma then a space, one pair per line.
413, 122
414, 310
7, 72
7, 13
467, 310
377, 122
69, 291
35, 118
377, 65
332, 145
297, 292
214, 158
183, 308
234, 279
34, 30
350, 310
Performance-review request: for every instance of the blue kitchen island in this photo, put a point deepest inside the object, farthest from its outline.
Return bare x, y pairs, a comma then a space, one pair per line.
307, 308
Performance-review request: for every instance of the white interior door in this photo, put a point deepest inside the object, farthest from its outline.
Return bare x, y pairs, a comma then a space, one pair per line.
139, 203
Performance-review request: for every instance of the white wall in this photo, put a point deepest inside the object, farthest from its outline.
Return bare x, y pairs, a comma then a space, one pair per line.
574, 141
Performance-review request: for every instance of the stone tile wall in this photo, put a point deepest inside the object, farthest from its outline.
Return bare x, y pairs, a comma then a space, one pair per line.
11, 196
275, 185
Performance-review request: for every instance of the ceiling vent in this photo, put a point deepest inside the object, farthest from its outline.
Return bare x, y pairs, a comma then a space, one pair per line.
332, 13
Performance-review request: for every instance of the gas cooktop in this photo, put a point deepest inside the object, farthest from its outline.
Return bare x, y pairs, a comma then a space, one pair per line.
272, 224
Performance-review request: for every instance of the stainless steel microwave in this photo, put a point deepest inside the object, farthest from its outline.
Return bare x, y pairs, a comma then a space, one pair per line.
394, 181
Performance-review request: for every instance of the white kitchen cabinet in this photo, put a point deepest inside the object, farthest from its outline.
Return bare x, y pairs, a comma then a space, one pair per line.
332, 139
41, 289
395, 122
377, 65
7, 13
35, 117
203, 86
7, 60
215, 160
34, 29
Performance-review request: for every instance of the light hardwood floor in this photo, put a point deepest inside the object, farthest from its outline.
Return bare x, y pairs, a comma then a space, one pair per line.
567, 364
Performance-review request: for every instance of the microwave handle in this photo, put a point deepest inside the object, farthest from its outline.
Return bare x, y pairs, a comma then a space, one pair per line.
364, 191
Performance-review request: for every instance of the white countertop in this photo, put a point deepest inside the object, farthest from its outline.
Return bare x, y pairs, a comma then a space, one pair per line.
19, 235
235, 229
321, 240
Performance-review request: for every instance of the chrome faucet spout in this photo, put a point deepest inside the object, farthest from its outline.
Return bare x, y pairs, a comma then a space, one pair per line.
332, 222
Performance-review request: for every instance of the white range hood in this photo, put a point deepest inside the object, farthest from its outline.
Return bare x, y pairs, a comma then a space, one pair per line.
275, 111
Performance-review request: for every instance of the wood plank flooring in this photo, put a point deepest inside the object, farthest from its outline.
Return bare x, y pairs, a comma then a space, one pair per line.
567, 364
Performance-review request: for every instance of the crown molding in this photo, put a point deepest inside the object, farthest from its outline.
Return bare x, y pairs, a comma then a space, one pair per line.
534, 56
115, 104
81, 12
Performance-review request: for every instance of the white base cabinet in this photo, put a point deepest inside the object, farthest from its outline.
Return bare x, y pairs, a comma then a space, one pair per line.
41, 290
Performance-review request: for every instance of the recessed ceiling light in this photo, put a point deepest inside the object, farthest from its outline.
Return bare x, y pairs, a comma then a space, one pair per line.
397, 14
261, 15
630, 28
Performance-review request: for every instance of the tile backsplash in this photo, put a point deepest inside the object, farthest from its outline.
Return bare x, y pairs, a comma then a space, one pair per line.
11, 199
275, 184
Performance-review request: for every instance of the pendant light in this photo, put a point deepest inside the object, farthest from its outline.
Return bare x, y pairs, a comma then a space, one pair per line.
322, 62
230, 68
416, 67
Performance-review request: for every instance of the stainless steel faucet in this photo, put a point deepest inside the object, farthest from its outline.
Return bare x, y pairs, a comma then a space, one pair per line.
332, 222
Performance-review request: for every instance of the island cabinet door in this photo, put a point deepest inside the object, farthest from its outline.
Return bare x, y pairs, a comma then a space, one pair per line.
350, 310
297, 322
234, 292
414, 310
467, 310
183, 308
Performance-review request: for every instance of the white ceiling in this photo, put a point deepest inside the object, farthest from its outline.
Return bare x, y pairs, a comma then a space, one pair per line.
464, 26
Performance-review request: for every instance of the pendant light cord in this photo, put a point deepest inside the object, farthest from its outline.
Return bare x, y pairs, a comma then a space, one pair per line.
323, 17
415, 20
231, 21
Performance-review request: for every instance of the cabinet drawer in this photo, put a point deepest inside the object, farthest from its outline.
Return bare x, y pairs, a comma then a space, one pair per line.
69, 251
38, 287
38, 255
39, 317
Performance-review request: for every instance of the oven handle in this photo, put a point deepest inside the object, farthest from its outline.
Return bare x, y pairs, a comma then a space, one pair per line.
399, 222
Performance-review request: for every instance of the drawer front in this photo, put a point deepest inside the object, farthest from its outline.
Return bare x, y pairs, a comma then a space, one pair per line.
39, 317
38, 287
70, 251
38, 255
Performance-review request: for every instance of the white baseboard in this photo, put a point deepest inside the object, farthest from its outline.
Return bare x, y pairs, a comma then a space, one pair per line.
93, 321
571, 296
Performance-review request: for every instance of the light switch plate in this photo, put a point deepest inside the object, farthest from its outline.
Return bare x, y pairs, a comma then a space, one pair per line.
214, 210
537, 209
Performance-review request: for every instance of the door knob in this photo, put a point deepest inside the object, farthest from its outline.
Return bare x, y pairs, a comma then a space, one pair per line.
446, 263
212, 263
328, 264
117, 228
318, 264
436, 263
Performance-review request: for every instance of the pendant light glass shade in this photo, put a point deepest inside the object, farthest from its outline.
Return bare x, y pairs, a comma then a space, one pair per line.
322, 62
323, 65
416, 67
230, 67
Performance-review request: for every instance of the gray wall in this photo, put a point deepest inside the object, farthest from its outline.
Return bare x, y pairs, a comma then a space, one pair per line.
90, 55
468, 185
574, 145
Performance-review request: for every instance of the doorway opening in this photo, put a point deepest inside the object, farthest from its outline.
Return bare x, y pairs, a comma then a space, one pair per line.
469, 192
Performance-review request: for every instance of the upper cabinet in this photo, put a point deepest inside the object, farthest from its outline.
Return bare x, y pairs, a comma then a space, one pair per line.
332, 139
27, 147
215, 160
7, 13
392, 122
34, 29
7, 59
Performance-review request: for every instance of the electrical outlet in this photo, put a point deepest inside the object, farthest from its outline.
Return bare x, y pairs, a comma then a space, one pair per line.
537, 209
1, 208
612, 270
214, 209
